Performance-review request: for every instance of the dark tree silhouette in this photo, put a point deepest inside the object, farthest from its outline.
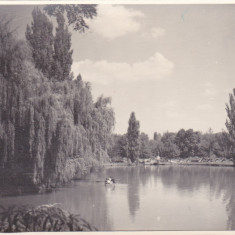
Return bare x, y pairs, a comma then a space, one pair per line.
230, 122
41, 39
76, 14
62, 51
133, 138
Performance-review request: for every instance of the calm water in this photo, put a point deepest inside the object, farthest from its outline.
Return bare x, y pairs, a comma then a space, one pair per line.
149, 198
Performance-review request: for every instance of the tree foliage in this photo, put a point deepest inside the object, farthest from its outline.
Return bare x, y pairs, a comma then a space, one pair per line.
208, 143
224, 145
118, 149
188, 143
170, 149
62, 51
49, 129
133, 138
76, 14
183, 144
156, 145
52, 54
41, 39
145, 151
230, 122
41, 219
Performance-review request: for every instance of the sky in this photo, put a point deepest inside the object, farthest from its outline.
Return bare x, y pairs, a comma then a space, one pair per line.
173, 65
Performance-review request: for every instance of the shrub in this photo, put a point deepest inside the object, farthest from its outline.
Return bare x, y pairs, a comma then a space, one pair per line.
39, 219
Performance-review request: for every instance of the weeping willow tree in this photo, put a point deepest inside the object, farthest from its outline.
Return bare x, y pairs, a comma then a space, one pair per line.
50, 129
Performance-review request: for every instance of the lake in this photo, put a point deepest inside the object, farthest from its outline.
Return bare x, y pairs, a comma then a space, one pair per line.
148, 198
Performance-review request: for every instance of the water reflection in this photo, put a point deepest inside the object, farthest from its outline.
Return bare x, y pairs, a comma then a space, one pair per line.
231, 213
85, 198
149, 198
109, 187
91, 203
133, 190
185, 178
220, 180
145, 173
224, 184
216, 183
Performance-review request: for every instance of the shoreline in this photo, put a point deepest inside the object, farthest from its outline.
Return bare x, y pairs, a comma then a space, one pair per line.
200, 164
218, 164
12, 189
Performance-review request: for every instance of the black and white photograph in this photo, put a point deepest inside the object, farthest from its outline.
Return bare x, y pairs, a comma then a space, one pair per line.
117, 117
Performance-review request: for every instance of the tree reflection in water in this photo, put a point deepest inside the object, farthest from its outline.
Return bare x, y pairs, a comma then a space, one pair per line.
130, 176
133, 190
220, 180
110, 187
150, 197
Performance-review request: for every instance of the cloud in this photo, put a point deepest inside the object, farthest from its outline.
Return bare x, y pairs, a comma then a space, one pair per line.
114, 21
104, 72
154, 33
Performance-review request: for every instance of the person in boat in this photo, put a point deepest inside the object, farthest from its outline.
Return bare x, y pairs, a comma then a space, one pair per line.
109, 180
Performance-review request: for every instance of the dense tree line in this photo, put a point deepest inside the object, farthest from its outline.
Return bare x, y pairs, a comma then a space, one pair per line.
50, 128
182, 144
